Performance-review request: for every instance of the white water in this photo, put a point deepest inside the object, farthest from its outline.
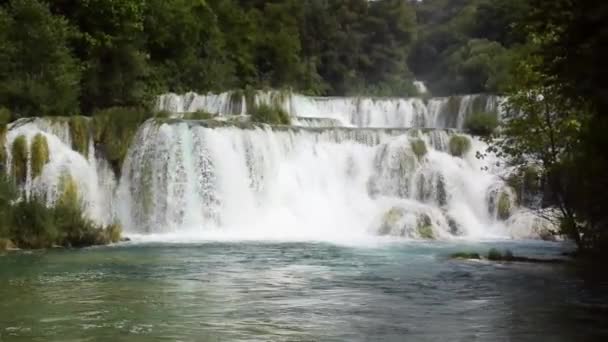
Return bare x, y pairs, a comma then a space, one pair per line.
348, 111
186, 181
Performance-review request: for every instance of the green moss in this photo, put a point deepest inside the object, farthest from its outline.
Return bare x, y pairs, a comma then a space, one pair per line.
419, 148
273, 115
19, 162
68, 189
198, 115
114, 129
80, 134
481, 123
162, 114
390, 219
466, 256
425, 227
459, 145
504, 206
39, 152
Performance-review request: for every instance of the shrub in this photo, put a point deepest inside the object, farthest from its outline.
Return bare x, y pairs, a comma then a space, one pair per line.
273, 115
459, 145
481, 123
19, 162
80, 134
419, 147
33, 225
39, 152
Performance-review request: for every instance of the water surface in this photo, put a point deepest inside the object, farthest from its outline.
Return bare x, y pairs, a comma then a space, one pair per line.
295, 292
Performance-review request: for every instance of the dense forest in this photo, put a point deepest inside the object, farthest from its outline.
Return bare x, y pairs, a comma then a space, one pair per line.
67, 57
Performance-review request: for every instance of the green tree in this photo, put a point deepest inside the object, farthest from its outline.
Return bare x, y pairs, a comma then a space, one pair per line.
38, 74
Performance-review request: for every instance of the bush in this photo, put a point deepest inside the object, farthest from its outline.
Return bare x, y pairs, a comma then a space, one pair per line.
419, 147
459, 145
80, 134
19, 162
481, 123
273, 115
39, 152
114, 130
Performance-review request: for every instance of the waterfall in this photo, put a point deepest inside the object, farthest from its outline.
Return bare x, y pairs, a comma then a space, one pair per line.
349, 168
94, 179
450, 112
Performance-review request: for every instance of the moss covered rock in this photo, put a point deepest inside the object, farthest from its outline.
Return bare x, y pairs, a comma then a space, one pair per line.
459, 145
19, 161
80, 133
39, 152
504, 206
390, 220
198, 115
113, 233
425, 227
419, 148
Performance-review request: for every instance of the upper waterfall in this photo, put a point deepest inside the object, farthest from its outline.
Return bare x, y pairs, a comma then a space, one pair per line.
444, 112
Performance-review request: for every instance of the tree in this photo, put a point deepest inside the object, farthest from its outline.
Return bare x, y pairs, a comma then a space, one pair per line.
38, 74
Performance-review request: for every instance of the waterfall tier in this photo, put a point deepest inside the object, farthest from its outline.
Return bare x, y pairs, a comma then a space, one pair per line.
446, 112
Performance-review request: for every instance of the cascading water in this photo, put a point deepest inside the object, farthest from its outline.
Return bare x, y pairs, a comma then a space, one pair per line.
93, 176
448, 112
338, 176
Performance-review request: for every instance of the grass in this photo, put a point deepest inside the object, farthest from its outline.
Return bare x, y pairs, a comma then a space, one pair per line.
31, 224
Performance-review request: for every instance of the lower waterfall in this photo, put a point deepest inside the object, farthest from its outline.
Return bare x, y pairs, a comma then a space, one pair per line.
210, 179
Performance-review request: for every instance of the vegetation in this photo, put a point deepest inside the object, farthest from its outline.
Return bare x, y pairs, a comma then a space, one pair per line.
425, 227
459, 145
274, 115
30, 224
114, 129
481, 123
418, 147
504, 206
19, 162
80, 134
39, 154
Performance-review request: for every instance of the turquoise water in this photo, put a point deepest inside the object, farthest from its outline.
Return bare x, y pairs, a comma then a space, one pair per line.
295, 292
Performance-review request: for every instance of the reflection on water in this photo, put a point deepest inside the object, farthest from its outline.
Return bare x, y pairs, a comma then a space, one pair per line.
294, 292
